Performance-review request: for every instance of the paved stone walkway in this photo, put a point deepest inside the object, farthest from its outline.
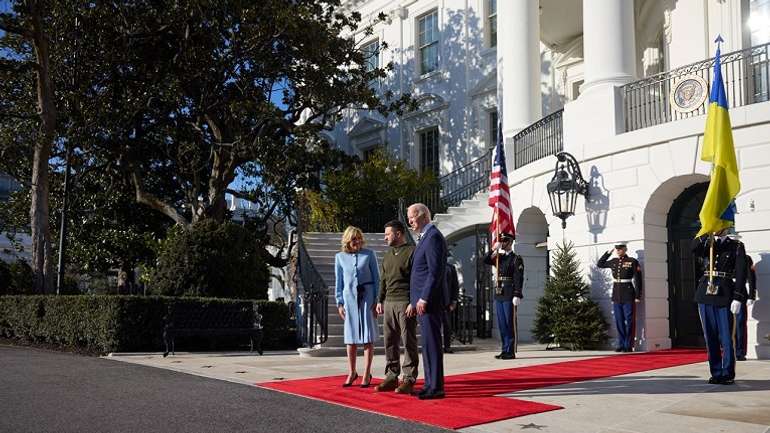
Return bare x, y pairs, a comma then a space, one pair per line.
675, 399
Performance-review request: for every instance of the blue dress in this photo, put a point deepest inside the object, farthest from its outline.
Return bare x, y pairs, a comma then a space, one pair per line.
350, 270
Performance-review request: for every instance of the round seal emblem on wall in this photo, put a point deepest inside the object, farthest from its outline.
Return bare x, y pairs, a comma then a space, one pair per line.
688, 94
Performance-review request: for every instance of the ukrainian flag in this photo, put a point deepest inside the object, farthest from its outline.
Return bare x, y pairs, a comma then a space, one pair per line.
718, 211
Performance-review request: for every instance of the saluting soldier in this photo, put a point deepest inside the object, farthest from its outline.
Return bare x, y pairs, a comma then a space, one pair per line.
741, 344
719, 295
508, 292
626, 292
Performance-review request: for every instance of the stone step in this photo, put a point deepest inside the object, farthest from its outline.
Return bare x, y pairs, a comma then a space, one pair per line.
305, 352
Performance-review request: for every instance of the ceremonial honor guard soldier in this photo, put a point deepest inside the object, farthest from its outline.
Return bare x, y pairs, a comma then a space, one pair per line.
626, 292
741, 344
508, 292
719, 294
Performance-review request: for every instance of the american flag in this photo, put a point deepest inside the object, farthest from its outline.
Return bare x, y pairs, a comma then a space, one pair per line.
499, 193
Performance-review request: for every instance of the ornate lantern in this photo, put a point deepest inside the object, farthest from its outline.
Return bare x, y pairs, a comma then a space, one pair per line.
567, 183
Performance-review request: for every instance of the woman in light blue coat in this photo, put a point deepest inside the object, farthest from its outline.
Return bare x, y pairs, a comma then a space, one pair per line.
357, 284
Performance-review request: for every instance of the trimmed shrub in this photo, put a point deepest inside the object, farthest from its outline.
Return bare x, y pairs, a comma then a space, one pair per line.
209, 259
102, 324
15, 278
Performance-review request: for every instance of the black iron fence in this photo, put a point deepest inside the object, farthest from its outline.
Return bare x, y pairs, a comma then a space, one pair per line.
315, 312
746, 75
466, 181
539, 140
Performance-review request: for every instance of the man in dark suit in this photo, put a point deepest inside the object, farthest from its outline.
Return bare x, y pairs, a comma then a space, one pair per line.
453, 284
429, 296
741, 319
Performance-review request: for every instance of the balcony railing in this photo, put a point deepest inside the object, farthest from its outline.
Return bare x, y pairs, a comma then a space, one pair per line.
466, 181
539, 140
746, 74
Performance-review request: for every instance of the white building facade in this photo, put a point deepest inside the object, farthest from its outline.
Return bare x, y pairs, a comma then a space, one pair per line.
619, 84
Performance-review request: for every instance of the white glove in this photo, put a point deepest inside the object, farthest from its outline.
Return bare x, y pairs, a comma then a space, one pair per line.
735, 307
750, 302
516, 301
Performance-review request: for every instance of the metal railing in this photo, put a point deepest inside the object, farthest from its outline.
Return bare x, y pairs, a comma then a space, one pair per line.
466, 181
314, 300
746, 75
539, 140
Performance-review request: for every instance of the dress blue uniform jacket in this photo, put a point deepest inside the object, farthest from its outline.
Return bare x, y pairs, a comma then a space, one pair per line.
729, 257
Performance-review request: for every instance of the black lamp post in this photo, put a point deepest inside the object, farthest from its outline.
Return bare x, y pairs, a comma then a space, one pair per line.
567, 183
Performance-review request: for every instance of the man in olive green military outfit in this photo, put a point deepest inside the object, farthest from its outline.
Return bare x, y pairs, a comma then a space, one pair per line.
400, 322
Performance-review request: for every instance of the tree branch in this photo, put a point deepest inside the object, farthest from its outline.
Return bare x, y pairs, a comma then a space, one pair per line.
154, 202
18, 67
10, 28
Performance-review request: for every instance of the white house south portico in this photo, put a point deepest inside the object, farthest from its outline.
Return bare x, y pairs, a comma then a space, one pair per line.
611, 67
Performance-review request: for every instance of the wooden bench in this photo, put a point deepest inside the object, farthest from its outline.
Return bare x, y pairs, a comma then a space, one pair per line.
186, 319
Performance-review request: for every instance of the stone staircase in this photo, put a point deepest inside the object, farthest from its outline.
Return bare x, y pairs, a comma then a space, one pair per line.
322, 247
468, 213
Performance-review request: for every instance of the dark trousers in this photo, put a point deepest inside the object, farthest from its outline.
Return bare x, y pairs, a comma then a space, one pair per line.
718, 330
624, 322
504, 311
446, 328
740, 332
432, 353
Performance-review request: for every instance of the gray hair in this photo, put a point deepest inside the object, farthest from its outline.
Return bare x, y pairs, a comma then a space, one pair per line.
421, 210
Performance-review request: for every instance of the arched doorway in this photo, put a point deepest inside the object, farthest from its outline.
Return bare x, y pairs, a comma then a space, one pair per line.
684, 269
531, 244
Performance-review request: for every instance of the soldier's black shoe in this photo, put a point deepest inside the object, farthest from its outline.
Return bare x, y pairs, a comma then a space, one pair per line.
713, 380
500, 355
618, 349
628, 349
741, 358
507, 356
726, 381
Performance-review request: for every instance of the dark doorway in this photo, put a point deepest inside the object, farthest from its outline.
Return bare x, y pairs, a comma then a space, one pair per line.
684, 269
484, 293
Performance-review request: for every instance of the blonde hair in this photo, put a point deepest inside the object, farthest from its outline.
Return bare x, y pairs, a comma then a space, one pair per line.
351, 233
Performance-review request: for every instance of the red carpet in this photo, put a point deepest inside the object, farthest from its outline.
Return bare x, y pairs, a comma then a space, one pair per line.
471, 397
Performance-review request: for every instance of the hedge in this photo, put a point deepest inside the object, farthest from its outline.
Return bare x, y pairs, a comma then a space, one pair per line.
103, 324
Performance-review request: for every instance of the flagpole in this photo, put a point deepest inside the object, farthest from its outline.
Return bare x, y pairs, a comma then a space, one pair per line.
711, 264
497, 253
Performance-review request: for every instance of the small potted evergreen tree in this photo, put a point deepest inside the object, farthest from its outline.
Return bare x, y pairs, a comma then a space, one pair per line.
566, 314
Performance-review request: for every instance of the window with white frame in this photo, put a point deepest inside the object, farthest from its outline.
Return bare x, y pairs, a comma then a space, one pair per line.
429, 150
492, 23
427, 39
493, 129
372, 55
757, 17
759, 22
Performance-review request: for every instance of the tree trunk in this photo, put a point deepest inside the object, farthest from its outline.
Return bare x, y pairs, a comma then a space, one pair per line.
42, 263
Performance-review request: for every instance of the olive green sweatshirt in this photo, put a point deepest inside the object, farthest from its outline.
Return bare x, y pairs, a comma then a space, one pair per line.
395, 272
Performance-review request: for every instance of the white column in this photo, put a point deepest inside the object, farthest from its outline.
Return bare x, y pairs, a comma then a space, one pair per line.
609, 54
608, 42
518, 64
